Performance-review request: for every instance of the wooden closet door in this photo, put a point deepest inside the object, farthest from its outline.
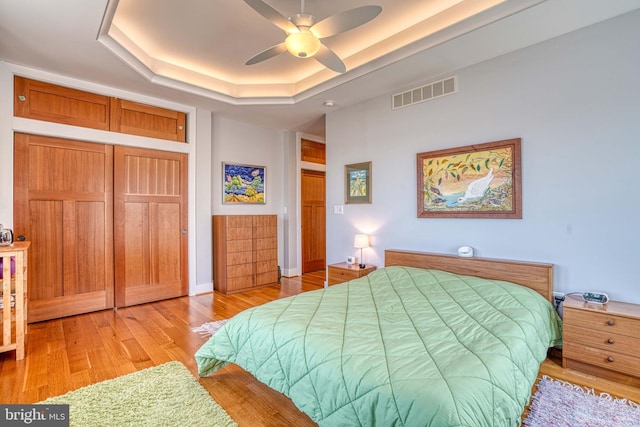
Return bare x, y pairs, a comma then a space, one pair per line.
150, 221
63, 205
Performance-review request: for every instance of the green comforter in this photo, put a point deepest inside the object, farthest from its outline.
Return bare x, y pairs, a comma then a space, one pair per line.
400, 347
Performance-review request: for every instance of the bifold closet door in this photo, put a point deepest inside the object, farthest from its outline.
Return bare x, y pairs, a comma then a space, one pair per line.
150, 225
63, 204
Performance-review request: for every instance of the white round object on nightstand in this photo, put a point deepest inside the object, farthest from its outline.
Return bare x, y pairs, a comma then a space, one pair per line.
465, 251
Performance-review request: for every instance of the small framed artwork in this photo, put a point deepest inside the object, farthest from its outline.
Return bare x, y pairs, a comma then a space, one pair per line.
476, 181
357, 183
243, 183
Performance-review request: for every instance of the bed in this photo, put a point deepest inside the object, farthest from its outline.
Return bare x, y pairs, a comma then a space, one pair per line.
429, 339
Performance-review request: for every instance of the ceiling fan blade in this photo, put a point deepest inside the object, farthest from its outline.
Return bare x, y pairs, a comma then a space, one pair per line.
266, 54
272, 15
329, 59
345, 21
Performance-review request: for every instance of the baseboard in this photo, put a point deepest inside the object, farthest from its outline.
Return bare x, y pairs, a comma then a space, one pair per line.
201, 288
291, 272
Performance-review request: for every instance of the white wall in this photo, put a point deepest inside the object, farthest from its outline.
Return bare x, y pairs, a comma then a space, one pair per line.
203, 197
290, 203
574, 101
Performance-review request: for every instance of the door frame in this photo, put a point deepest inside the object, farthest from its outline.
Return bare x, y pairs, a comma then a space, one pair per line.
309, 166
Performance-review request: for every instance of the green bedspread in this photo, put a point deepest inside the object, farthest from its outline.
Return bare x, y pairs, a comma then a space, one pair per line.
400, 347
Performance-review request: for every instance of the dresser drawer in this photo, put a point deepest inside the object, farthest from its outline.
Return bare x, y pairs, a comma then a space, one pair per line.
343, 272
602, 340
339, 275
606, 340
603, 322
628, 365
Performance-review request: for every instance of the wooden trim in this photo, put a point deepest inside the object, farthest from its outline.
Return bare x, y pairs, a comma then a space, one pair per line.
184, 215
537, 276
119, 276
63, 306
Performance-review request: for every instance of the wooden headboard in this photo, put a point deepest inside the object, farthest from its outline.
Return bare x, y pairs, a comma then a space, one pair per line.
534, 275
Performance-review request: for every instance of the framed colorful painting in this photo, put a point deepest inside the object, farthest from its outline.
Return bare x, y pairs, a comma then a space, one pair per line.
476, 181
243, 184
357, 183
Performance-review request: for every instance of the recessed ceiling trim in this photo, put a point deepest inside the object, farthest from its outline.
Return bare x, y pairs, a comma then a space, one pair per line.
359, 64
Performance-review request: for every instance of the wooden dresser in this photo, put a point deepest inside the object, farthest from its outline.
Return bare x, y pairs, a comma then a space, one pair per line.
245, 252
602, 340
343, 272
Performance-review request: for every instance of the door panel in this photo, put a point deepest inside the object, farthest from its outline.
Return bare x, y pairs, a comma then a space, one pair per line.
43, 101
164, 228
63, 205
313, 221
146, 120
90, 246
136, 233
150, 196
46, 250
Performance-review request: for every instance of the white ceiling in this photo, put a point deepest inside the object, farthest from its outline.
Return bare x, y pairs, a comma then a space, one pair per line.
193, 52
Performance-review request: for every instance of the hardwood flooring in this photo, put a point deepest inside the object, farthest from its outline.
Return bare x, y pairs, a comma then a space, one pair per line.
65, 354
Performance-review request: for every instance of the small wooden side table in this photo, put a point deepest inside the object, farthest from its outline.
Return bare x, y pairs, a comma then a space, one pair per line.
343, 272
14, 298
602, 339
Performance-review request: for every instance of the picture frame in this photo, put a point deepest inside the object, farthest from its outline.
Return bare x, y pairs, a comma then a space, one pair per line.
243, 184
474, 181
357, 183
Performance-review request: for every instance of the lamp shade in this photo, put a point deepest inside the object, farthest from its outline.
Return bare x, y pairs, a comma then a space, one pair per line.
302, 44
361, 241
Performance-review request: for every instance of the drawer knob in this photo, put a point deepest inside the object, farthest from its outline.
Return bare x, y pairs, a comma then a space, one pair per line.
609, 341
610, 359
610, 323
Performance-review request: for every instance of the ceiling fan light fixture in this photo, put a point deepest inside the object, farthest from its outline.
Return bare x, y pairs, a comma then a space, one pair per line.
302, 44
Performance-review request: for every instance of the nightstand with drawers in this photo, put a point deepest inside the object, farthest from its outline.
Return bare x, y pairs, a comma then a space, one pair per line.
602, 339
344, 272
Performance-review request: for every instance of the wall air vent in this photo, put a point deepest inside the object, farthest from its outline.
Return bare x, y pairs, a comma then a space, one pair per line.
425, 93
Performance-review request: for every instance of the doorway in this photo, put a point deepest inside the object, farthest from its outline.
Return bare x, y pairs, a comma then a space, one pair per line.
313, 221
312, 206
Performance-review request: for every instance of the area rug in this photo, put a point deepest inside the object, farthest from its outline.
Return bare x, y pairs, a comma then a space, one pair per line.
559, 403
210, 328
165, 395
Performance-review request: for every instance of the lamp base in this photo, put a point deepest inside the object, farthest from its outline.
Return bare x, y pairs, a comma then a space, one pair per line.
362, 265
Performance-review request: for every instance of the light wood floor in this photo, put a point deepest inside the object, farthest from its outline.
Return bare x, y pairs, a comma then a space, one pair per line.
69, 353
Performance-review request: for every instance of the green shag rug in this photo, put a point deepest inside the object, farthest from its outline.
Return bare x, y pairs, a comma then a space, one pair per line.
165, 395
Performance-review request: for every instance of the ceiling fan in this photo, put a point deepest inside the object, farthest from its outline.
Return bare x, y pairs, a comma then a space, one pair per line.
304, 34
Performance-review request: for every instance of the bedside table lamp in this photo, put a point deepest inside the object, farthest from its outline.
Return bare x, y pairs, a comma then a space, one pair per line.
361, 241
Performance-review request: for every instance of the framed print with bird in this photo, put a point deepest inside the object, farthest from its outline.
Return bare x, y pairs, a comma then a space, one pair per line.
475, 181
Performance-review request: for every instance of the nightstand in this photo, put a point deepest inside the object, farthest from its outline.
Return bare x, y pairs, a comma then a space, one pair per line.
344, 272
602, 340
